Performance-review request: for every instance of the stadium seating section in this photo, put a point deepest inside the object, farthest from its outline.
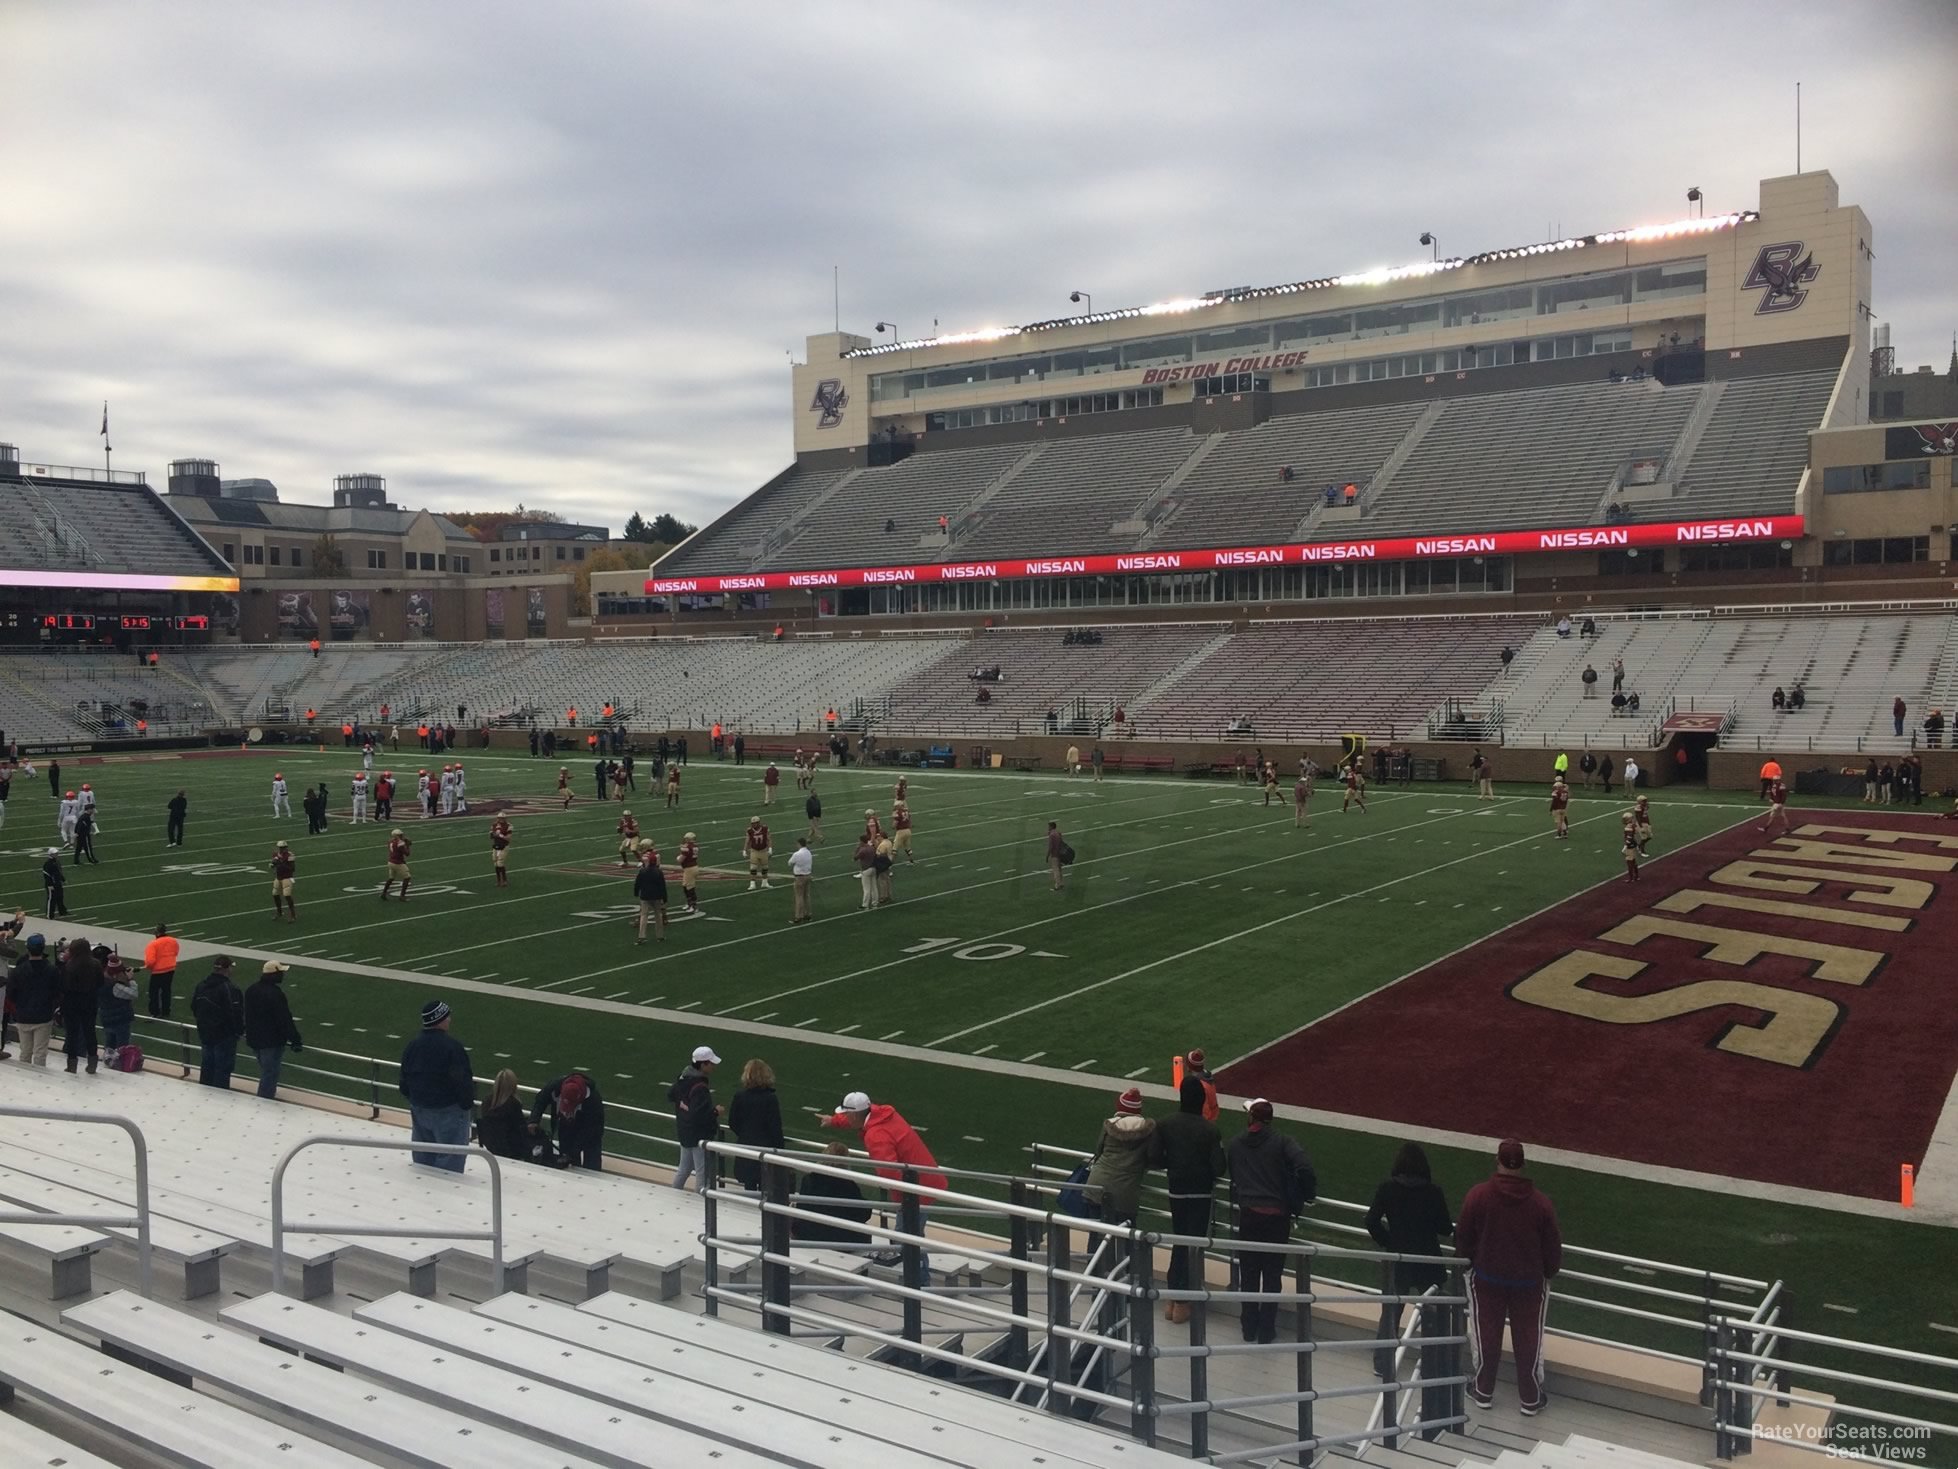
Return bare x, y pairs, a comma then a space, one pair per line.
1541, 456
75, 526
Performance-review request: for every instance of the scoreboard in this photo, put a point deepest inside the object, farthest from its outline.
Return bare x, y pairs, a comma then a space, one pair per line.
105, 622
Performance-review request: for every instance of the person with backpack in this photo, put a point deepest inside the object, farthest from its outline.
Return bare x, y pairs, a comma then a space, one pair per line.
696, 1118
81, 993
218, 1006
577, 1111
1272, 1181
1123, 1154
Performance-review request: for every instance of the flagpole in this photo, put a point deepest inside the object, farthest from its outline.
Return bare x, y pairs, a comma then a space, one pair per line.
108, 473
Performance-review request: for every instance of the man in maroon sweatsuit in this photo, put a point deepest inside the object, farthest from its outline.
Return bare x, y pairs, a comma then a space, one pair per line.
1508, 1233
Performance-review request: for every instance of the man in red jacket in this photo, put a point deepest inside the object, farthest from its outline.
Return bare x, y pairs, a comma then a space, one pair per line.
1508, 1233
887, 1137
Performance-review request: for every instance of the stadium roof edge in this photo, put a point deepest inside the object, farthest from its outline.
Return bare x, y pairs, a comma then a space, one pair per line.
1382, 275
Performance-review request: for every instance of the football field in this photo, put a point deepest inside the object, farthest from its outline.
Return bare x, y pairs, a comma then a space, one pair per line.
1365, 970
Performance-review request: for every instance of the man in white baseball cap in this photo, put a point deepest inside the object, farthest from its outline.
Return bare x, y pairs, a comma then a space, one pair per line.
696, 1118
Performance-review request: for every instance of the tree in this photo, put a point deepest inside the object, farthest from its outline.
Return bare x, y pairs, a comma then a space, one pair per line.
663, 529
328, 559
487, 525
619, 556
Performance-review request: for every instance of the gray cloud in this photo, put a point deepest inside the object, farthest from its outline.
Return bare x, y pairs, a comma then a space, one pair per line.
503, 252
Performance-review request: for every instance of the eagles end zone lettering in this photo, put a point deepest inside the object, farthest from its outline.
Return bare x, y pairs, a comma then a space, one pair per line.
1401, 548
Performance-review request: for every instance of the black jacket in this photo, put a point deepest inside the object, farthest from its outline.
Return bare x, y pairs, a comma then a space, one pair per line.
755, 1119
694, 1119
1270, 1171
34, 987
435, 1071
218, 1006
51, 873
178, 806
572, 1132
1190, 1150
814, 807
504, 1131
649, 883
1409, 1216
849, 1205
268, 1016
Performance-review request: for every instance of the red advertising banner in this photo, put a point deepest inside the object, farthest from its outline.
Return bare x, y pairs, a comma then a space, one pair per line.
1404, 548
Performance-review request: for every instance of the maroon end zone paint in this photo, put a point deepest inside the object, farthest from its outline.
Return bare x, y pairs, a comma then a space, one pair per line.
1454, 1047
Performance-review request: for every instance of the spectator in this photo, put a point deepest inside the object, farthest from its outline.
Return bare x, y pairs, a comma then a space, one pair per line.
1869, 782
1589, 629
1271, 1181
502, 1129
1191, 1064
1508, 1234
118, 1001
755, 1118
849, 1206
1778, 699
54, 882
1933, 727
1631, 702
1409, 1215
1897, 712
887, 1138
81, 993
1589, 678
218, 1007
1617, 674
1631, 772
577, 1114
160, 958
34, 990
1122, 1156
1618, 702
1604, 772
1563, 627
696, 1119
1588, 763
1797, 696
1190, 1151
1885, 779
269, 1028
173, 831
440, 1086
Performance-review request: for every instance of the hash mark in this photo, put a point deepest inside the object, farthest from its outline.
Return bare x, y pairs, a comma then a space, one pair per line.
892, 1036
983, 1049
688, 1006
1083, 1066
1034, 1057
621, 994
1139, 1071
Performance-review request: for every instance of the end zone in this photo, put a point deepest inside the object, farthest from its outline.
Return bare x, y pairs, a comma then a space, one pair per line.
1770, 1008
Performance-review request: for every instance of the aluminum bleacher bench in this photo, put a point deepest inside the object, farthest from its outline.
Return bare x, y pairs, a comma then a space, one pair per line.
846, 1404
36, 1448
69, 1251
187, 1350
646, 1327
143, 1410
490, 1394
768, 1427
197, 1251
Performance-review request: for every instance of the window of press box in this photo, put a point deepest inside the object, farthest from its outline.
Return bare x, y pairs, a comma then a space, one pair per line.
1896, 474
1631, 561
1232, 382
1877, 551
1736, 556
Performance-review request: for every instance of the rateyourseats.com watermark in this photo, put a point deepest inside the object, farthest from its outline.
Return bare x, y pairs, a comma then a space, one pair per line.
1899, 1443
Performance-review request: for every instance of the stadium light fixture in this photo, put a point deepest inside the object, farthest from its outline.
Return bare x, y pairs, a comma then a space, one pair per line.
1434, 245
891, 327
1694, 196
1077, 297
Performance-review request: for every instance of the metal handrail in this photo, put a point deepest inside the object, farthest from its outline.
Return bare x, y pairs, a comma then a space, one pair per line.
140, 1221
280, 1228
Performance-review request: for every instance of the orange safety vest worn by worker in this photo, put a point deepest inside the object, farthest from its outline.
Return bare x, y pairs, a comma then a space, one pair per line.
160, 955
1179, 1068
1771, 770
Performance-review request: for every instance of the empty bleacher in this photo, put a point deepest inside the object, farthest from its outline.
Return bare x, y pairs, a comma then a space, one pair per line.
80, 526
1074, 493
734, 540
1295, 680
1750, 459
849, 530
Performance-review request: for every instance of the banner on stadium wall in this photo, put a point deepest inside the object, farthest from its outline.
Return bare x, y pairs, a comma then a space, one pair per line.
1405, 548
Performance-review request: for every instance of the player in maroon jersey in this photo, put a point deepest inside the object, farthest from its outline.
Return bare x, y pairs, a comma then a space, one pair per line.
628, 838
500, 839
755, 842
563, 785
398, 848
1778, 810
1356, 785
284, 865
901, 829
1301, 798
1560, 808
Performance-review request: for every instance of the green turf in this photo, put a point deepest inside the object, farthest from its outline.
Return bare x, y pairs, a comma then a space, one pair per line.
1194, 915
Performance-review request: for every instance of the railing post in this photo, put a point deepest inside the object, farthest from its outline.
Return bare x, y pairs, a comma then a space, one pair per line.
373, 1088
911, 1221
1437, 1362
778, 1182
1302, 1298
1459, 1355
1058, 1353
1142, 1336
1016, 1336
1707, 1338
1199, 1362
1724, 1444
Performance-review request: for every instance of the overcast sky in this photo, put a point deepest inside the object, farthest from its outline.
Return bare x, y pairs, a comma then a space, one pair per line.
559, 253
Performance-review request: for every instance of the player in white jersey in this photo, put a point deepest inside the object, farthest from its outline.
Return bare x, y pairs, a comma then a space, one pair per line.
71, 808
281, 802
360, 795
425, 791
87, 803
448, 790
462, 791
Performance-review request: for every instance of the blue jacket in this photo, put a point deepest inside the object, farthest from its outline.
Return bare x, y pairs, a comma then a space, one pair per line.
435, 1071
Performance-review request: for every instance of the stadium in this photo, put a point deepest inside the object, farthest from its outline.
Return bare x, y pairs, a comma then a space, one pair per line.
1261, 683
